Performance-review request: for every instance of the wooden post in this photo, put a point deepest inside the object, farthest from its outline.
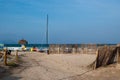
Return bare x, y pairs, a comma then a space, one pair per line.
73, 50
96, 59
82, 50
58, 49
87, 50
16, 55
117, 56
5, 57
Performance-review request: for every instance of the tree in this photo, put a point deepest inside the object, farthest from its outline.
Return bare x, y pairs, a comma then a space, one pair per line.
23, 42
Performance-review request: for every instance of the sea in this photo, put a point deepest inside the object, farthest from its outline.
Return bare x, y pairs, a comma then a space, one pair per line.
45, 45
28, 46
40, 46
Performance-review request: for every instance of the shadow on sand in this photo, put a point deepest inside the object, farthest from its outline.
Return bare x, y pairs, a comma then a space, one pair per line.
6, 74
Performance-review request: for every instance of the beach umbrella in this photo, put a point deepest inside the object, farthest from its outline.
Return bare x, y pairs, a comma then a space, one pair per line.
23, 42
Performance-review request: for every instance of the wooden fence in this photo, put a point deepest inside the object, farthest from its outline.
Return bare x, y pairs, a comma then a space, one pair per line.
7, 59
73, 48
106, 55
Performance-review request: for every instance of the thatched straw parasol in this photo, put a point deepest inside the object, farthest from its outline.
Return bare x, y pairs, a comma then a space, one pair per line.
23, 42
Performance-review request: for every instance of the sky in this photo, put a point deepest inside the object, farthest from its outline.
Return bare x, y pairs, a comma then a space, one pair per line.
70, 21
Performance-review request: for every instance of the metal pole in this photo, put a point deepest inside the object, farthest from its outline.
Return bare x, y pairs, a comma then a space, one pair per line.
47, 31
47, 34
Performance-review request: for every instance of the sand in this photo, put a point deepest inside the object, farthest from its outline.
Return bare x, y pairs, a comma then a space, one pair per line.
40, 66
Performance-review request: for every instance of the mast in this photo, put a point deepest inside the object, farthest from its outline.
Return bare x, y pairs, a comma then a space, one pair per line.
47, 35
47, 31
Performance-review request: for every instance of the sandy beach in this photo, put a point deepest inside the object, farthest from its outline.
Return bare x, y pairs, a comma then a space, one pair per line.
40, 66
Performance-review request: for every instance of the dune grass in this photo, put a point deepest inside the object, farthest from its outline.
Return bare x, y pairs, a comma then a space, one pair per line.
12, 64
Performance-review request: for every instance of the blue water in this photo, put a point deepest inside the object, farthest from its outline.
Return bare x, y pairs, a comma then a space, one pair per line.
40, 46
44, 45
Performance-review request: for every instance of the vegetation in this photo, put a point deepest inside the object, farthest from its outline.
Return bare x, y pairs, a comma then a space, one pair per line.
23, 41
12, 64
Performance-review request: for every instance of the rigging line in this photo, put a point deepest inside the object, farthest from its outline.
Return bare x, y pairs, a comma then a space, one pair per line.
43, 38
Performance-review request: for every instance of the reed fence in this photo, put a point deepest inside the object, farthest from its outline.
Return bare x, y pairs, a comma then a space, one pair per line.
72, 48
